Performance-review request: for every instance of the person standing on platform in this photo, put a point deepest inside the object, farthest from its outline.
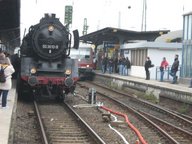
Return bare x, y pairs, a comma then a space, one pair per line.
120, 63
116, 69
15, 60
162, 68
124, 66
128, 64
8, 69
110, 65
147, 66
104, 64
190, 84
174, 69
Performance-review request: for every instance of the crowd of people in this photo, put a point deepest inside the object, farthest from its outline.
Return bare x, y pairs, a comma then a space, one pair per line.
122, 65
119, 65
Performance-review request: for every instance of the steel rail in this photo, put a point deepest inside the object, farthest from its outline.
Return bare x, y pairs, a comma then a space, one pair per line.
45, 140
164, 133
94, 135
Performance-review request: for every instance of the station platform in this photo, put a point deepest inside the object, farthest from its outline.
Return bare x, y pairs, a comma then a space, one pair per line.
178, 91
6, 115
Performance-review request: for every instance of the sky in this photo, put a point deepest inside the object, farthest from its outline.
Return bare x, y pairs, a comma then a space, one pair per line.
160, 14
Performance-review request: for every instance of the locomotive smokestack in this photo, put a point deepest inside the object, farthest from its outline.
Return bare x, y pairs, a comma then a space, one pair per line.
53, 15
49, 15
46, 15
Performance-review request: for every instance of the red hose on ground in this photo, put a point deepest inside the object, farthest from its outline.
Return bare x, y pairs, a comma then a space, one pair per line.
129, 124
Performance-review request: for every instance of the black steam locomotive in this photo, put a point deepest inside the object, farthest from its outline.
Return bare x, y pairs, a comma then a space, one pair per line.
46, 68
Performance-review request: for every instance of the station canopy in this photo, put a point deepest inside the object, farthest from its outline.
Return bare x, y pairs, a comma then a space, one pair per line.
119, 36
10, 22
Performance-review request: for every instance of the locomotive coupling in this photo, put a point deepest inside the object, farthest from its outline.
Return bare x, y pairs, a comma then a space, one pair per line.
69, 82
32, 81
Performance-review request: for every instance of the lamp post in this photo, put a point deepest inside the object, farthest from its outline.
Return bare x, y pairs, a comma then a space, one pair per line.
144, 13
129, 7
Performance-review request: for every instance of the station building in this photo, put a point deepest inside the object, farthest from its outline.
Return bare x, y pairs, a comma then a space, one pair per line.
166, 45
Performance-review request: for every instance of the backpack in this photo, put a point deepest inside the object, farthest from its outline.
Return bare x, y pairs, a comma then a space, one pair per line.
2, 75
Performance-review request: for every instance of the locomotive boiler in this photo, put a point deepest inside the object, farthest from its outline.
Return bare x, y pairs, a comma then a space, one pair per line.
46, 68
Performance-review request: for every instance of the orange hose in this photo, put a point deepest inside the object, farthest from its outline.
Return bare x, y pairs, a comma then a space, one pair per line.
128, 122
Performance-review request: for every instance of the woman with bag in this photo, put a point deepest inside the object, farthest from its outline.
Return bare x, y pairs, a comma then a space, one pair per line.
7, 85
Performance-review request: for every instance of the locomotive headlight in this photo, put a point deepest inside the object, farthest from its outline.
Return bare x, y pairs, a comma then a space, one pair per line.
51, 28
68, 72
33, 70
87, 66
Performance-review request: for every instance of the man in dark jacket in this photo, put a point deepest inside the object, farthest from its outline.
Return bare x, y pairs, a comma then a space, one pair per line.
190, 86
120, 65
104, 63
110, 65
147, 66
127, 65
174, 69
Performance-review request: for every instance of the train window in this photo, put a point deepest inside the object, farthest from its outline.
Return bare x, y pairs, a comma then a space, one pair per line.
74, 54
81, 53
87, 56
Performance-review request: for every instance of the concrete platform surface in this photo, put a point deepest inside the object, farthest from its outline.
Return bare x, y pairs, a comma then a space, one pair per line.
6, 116
165, 84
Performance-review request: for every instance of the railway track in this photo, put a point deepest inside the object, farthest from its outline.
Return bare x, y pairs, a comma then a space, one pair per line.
178, 127
60, 124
